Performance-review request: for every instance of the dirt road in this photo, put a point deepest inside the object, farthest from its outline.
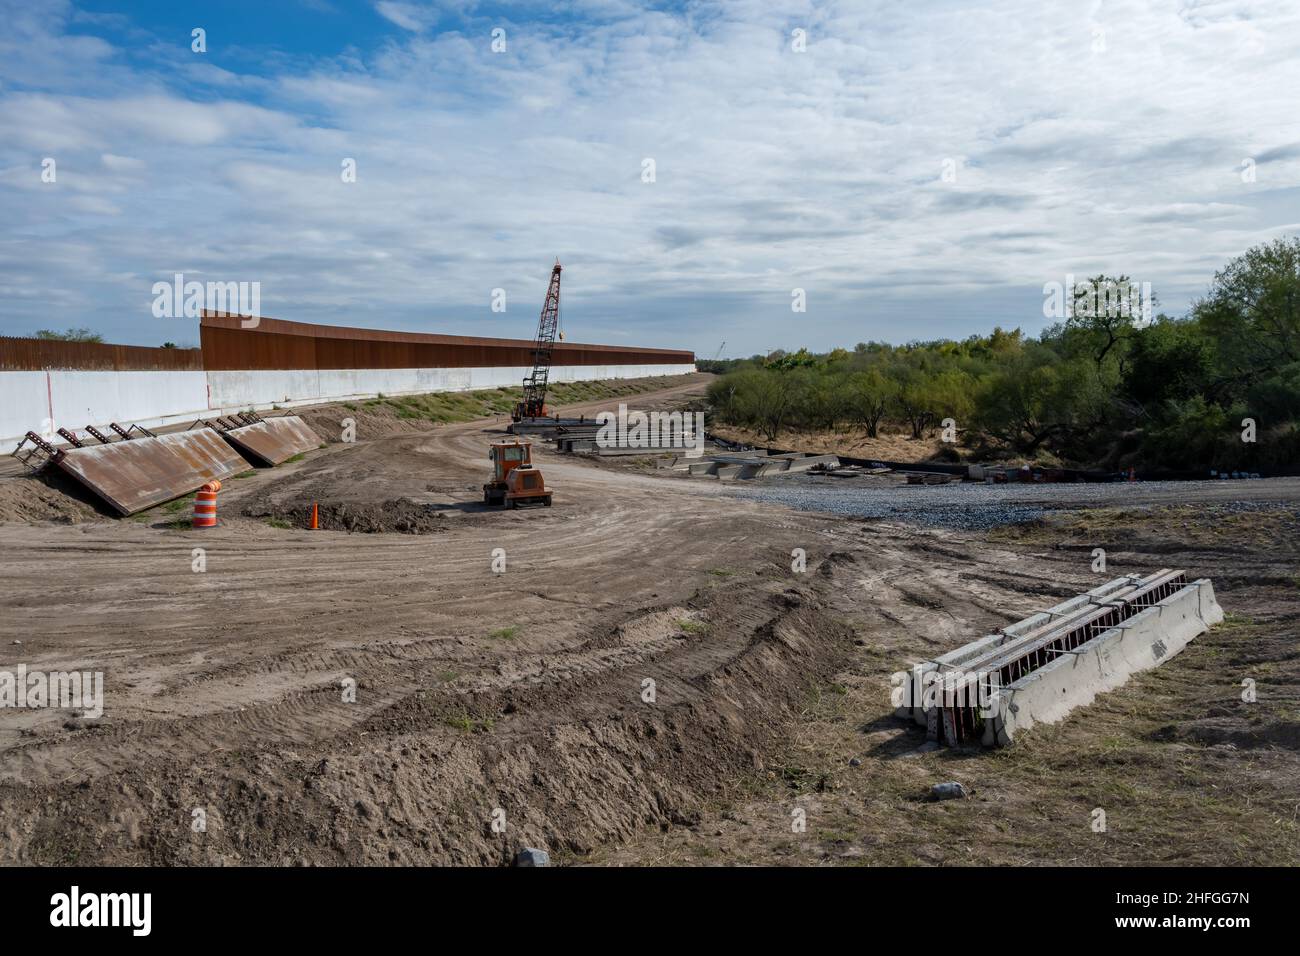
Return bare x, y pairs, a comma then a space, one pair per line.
326, 697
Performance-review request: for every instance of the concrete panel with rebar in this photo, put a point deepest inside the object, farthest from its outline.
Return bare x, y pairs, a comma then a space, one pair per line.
1040, 669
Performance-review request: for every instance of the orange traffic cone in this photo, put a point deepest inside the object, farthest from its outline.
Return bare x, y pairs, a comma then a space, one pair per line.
315, 517
205, 506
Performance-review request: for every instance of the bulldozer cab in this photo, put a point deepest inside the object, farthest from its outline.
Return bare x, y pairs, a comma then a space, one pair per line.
507, 456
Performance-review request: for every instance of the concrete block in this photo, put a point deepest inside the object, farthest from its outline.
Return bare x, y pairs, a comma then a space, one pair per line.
812, 461
773, 467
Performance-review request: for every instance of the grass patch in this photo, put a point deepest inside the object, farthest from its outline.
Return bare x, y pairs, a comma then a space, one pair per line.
445, 408
244, 474
297, 457
470, 725
505, 633
691, 626
279, 523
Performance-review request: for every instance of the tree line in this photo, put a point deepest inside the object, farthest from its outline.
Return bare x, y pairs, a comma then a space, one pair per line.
1105, 388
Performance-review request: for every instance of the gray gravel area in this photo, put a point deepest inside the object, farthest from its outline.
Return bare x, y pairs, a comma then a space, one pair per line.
973, 506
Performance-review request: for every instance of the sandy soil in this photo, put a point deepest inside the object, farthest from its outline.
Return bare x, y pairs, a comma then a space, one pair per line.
521, 697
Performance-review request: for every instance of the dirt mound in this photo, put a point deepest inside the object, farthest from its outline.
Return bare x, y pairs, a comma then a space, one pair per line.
402, 516
33, 499
568, 754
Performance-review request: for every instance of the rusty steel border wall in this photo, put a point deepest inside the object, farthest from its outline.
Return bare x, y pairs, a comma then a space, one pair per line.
277, 344
45, 385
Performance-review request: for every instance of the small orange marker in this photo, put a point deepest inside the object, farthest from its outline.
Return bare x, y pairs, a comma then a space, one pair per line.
315, 517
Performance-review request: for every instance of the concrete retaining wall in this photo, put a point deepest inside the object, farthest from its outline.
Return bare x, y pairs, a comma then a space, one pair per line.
261, 388
45, 401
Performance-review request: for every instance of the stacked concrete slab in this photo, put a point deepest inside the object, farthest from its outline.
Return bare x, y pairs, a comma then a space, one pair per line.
752, 464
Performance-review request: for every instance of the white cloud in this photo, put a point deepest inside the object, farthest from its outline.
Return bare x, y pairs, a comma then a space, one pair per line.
822, 169
408, 16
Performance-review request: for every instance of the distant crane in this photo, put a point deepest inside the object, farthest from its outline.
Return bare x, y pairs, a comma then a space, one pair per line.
534, 402
718, 355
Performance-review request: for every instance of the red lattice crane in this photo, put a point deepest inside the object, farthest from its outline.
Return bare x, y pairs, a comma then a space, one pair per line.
534, 403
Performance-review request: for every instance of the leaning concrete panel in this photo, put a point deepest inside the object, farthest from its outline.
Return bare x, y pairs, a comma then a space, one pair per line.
138, 474
274, 440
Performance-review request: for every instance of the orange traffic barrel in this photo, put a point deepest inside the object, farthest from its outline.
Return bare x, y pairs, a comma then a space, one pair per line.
205, 506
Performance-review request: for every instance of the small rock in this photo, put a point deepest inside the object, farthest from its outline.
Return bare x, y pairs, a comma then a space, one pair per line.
947, 791
529, 856
855, 762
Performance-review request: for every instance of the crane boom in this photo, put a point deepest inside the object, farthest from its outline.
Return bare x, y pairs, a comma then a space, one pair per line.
534, 403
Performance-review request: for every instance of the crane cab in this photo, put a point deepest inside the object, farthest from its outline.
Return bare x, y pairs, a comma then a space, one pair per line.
515, 479
530, 408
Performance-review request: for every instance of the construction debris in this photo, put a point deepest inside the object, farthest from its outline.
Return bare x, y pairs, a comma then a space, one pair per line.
1040, 669
751, 464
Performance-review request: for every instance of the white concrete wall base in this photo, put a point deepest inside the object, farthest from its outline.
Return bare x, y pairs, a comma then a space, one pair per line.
43, 402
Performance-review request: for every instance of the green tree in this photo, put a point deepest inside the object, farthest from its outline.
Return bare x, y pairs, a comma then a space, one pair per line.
1252, 310
867, 397
1104, 313
71, 335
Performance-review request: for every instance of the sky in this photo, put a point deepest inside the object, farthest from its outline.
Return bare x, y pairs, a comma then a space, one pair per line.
918, 170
